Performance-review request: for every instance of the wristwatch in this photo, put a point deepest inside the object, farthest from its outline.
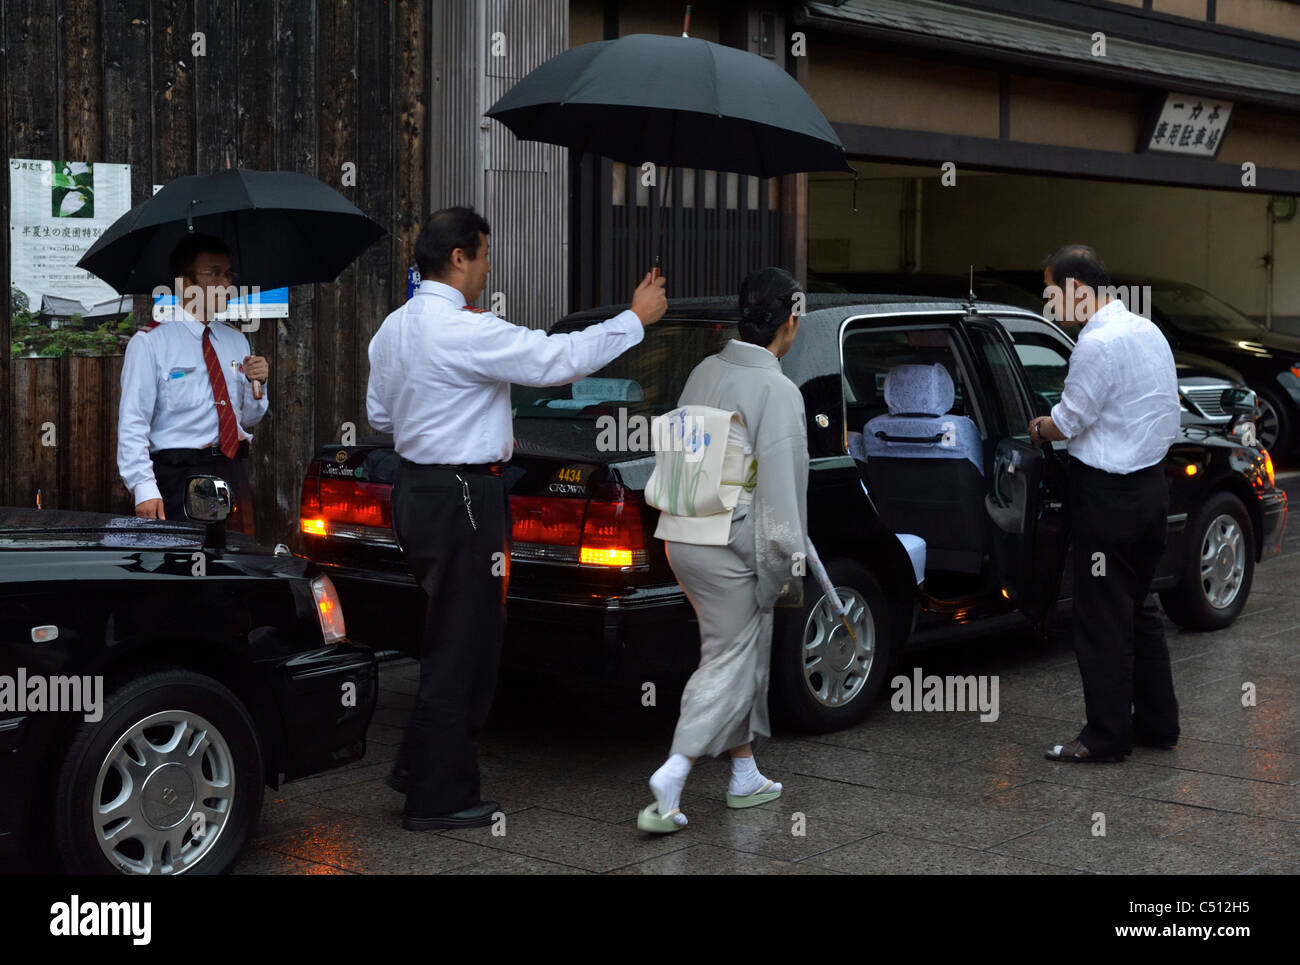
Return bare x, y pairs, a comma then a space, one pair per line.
1038, 433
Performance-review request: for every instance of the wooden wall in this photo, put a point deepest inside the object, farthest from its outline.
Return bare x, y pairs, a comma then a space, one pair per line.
305, 85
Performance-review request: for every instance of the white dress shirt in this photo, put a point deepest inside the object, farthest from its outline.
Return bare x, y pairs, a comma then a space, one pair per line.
167, 400
440, 373
1119, 407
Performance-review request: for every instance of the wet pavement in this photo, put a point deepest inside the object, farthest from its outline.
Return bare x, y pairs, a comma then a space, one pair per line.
898, 793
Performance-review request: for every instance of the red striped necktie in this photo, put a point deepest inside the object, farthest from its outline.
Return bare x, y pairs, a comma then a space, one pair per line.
228, 430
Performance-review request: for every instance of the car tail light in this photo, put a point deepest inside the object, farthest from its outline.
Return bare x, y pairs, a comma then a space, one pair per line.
596, 532
1268, 467
328, 610
356, 503
613, 534
346, 507
546, 528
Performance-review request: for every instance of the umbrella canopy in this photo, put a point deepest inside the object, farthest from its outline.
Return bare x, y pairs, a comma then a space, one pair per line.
282, 228
677, 101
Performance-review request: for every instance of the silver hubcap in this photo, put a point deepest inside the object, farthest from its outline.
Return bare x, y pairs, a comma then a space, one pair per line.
835, 668
164, 794
1223, 561
1266, 426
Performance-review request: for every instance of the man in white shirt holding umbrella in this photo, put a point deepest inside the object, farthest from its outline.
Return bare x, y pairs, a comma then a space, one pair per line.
188, 398
440, 375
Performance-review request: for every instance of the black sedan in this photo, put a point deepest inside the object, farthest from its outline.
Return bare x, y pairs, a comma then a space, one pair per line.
153, 680
919, 551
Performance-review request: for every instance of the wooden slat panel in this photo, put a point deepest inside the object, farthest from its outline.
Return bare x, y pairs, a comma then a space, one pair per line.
255, 137
35, 466
376, 271
216, 86
31, 130
82, 442
117, 498
172, 76
125, 92
6, 378
82, 80
292, 435
336, 131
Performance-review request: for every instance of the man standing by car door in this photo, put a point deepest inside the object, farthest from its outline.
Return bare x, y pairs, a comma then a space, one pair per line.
1119, 413
440, 374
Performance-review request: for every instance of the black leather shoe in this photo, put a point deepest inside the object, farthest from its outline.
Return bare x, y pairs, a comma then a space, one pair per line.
399, 779
1073, 752
477, 816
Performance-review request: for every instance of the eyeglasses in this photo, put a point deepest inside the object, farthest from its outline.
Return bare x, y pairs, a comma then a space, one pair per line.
216, 275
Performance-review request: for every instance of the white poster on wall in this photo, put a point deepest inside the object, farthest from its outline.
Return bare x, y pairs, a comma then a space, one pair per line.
58, 209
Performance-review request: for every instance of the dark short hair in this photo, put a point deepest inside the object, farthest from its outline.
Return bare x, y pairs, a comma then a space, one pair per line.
766, 301
1080, 263
190, 247
445, 231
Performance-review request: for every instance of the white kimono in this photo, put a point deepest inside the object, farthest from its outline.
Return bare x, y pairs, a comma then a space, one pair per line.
734, 587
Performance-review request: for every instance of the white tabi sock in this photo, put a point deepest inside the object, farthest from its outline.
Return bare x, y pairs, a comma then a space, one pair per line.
745, 778
667, 784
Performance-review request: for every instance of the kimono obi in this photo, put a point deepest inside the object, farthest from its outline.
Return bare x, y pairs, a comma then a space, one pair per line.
704, 468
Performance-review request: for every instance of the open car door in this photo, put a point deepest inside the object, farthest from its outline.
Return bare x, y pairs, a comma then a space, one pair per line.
1024, 501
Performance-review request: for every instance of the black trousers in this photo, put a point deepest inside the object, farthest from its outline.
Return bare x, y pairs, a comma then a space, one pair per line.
172, 469
1119, 530
463, 571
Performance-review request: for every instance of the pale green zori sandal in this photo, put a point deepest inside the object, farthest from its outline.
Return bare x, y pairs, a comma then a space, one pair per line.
650, 820
761, 796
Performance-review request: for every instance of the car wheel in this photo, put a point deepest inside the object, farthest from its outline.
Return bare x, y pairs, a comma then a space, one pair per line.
1273, 427
823, 680
168, 781
1219, 570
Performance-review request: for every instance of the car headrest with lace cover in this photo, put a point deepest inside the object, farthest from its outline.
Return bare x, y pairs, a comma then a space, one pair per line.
919, 390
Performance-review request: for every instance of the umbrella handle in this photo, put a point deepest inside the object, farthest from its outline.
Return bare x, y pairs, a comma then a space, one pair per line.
257, 389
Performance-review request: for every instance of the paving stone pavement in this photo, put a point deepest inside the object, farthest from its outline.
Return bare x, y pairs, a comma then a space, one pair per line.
900, 793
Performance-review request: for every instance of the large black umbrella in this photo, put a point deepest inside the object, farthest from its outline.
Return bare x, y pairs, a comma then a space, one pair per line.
676, 101
282, 228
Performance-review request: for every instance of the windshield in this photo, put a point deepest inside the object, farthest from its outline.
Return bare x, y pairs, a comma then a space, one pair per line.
1196, 310
647, 378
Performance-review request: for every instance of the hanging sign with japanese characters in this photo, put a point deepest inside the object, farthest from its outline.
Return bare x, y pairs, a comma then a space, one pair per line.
1190, 125
58, 209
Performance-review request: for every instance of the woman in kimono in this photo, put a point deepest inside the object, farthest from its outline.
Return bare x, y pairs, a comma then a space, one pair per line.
733, 588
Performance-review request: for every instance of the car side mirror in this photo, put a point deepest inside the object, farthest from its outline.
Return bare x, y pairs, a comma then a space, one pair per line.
207, 499
1238, 402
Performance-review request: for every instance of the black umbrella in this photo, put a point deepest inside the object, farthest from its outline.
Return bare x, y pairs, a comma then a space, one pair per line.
676, 101
282, 228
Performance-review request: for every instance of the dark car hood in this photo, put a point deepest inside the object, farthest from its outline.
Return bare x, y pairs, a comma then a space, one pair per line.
1285, 348
22, 528
30, 530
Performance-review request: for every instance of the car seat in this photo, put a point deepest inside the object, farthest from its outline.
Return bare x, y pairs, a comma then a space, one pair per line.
924, 468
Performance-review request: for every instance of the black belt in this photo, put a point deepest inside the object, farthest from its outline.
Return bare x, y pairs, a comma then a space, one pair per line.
1155, 469
475, 468
188, 457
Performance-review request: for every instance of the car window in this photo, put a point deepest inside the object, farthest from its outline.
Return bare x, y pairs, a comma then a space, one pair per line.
1005, 380
1046, 363
870, 354
647, 378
